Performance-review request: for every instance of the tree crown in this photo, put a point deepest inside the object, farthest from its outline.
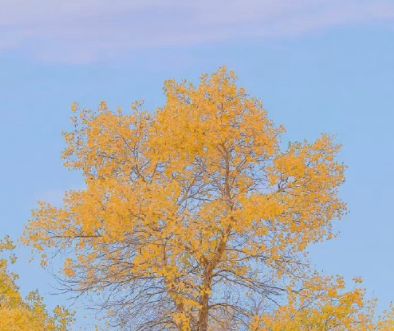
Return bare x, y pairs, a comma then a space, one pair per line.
193, 215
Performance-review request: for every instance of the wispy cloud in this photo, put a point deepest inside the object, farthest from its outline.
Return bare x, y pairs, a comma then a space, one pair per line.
91, 30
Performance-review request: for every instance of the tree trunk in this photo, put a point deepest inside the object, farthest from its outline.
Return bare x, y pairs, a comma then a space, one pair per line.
207, 284
203, 314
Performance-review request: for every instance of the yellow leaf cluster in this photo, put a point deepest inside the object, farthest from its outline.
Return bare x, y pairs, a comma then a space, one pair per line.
30, 314
323, 303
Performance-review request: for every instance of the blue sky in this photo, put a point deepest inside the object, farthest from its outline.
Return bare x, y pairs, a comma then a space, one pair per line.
319, 66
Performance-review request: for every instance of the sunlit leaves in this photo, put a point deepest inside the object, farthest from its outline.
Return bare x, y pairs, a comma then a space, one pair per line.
323, 303
25, 314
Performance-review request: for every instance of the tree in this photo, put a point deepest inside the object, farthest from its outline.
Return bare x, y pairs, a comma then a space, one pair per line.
30, 314
193, 217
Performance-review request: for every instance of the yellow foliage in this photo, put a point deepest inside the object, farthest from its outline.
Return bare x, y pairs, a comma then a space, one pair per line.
324, 304
30, 314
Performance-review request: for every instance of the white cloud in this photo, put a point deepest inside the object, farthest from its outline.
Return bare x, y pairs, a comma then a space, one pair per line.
89, 30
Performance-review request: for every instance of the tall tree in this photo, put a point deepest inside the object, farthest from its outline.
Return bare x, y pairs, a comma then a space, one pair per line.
192, 217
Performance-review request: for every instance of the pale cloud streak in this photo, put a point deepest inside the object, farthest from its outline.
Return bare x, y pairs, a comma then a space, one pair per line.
95, 30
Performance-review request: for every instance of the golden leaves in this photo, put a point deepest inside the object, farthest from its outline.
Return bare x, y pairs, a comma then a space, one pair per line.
324, 304
27, 314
